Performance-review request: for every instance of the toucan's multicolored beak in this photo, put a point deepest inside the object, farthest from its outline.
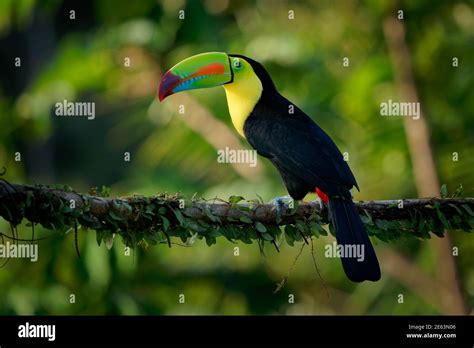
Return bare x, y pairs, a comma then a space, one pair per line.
199, 71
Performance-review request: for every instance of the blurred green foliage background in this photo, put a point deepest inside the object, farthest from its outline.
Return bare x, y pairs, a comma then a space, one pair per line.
84, 59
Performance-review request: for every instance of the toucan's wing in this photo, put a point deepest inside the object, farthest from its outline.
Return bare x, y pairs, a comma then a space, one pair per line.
298, 145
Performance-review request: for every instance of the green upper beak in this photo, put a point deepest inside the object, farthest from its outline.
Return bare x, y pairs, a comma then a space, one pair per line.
200, 71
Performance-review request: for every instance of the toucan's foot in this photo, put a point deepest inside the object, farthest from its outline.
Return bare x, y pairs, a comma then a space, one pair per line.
319, 201
282, 204
323, 206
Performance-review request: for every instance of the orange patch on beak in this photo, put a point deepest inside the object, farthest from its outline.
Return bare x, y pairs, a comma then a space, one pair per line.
211, 69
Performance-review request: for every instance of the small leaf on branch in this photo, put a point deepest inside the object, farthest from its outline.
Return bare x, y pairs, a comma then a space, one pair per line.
235, 199
444, 191
260, 227
246, 219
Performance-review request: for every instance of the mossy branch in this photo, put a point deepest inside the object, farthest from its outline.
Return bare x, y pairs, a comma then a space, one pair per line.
155, 219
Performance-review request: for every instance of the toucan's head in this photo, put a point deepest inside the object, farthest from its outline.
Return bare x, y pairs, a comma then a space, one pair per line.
210, 70
243, 79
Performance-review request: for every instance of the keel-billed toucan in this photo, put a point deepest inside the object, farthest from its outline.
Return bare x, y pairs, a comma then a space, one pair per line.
306, 157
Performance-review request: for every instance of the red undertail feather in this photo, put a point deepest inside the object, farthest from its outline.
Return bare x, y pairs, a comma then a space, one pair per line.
324, 197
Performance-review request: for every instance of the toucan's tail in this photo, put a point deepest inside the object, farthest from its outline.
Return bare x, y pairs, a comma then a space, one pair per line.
358, 256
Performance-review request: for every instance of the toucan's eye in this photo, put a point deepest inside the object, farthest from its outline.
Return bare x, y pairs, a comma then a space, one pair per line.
237, 63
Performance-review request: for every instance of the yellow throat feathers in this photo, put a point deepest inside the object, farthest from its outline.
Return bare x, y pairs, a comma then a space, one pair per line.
242, 95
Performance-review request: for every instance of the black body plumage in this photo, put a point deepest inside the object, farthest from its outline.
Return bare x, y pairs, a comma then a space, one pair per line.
306, 158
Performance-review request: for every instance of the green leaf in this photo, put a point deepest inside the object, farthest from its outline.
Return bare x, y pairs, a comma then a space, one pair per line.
421, 225
245, 235
333, 232
457, 220
290, 233
146, 215
275, 231
179, 216
244, 208
211, 217
322, 231
382, 224
468, 209
267, 236
115, 216
151, 239
260, 227
214, 232
191, 240
29, 198
458, 192
313, 228
467, 225
162, 210
109, 240
127, 206
246, 219
442, 218
98, 236
235, 199
149, 209
436, 227
367, 219
408, 224
456, 208
210, 240
302, 227
67, 209
278, 219
374, 231
166, 223
444, 191
105, 192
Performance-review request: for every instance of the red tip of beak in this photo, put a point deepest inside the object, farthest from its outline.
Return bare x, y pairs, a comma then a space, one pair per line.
161, 96
168, 82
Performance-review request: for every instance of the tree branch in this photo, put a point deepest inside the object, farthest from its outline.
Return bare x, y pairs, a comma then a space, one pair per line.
139, 217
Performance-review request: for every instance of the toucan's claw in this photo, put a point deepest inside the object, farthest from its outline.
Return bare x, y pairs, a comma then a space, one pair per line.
319, 201
282, 205
323, 207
